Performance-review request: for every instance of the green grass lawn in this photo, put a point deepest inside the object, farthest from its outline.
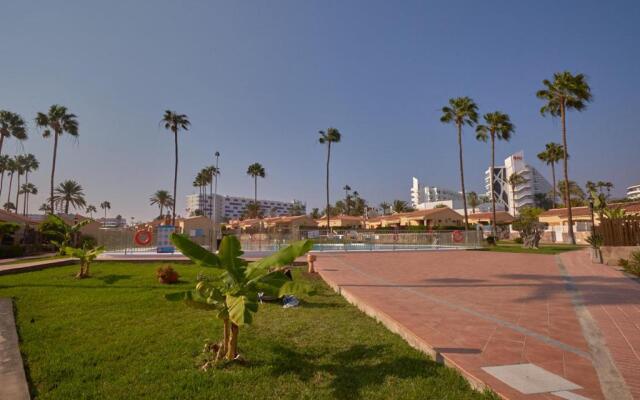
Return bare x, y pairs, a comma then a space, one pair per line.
113, 336
512, 247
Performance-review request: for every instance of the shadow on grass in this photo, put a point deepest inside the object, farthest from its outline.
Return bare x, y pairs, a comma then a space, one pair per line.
308, 304
113, 278
352, 370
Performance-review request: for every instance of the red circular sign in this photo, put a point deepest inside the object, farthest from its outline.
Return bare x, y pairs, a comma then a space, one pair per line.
143, 237
457, 236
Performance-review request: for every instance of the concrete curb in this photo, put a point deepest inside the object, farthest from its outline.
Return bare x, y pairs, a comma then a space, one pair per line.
413, 340
35, 266
13, 380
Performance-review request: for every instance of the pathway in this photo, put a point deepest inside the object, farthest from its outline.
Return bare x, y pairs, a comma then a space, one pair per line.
479, 310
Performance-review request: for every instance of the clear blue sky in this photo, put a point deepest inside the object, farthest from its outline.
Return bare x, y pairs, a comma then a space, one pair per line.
258, 79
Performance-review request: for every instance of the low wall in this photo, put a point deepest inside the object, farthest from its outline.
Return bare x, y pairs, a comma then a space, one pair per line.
611, 254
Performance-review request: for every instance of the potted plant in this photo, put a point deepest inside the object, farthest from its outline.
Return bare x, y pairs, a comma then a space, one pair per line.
167, 275
596, 241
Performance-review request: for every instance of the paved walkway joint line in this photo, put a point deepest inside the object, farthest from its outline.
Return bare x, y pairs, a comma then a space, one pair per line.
611, 381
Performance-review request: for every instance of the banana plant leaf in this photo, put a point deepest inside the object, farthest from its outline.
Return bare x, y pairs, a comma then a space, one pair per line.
283, 257
196, 253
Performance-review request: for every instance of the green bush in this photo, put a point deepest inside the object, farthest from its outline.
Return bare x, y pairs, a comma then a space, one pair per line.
632, 266
87, 241
11, 251
491, 240
518, 240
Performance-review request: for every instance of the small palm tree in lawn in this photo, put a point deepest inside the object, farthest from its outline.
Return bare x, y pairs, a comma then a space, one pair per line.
474, 201
11, 125
552, 154
45, 208
12, 168
175, 123
461, 111
9, 206
331, 135
27, 189
56, 122
105, 205
90, 210
256, 170
69, 193
163, 199
566, 92
497, 126
515, 179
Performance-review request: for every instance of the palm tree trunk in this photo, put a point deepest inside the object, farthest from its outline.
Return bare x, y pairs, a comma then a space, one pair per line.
10, 184
563, 116
464, 194
161, 209
66, 207
18, 194
553, 178
255, 190
53, 168
328, 204
175, 180
1, 182
26, 194
493, 197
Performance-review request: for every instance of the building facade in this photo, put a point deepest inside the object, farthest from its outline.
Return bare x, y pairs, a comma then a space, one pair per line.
509, 198
428, 197
234, 207
633, 192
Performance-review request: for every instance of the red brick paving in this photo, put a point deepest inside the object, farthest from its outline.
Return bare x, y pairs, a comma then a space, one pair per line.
482, 309
613, 300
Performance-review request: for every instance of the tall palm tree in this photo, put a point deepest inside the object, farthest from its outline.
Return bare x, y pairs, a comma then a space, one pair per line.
12, 168
331, 135
400, 206
11, 125
27, 189
497, 126
163, 199
4, 163
200, 182
90, 210
105, 205
69, 193
210, 173
474, 201
256, 170
552, 154
21, 162
31, 164
175, 122
515, 179
347, 197
384, 206
566, 92
461, 111
576, 194
56, 122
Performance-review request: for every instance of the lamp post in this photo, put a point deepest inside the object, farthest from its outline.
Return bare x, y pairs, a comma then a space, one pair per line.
214, 245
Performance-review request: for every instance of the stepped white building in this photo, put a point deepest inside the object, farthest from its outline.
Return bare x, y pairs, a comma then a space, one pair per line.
428, 197
233, 207
507, 198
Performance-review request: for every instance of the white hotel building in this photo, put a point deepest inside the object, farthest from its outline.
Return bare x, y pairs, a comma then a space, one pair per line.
233, 207
633, 192
523, 195
428, 197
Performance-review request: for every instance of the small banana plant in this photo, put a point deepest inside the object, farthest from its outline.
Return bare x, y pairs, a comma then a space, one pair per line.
231, 287
65, 234
86, 255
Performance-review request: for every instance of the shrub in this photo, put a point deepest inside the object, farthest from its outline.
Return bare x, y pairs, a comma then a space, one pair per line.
167, 274
11, 251
518, 240
492, 240
632, 266
87, 241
